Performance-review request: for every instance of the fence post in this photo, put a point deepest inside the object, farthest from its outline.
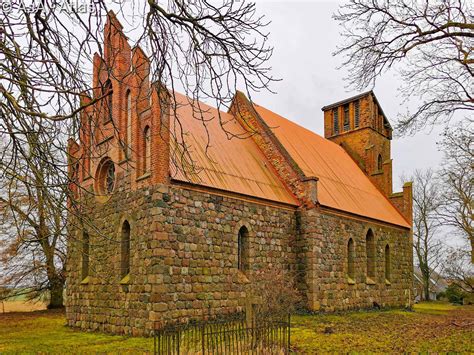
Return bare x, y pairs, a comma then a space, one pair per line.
202, 339
289, 332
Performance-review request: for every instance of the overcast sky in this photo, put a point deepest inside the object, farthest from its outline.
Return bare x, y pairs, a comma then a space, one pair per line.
304, 36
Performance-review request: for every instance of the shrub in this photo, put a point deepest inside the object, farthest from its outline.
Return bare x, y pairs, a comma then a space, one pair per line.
274, 293
454, 294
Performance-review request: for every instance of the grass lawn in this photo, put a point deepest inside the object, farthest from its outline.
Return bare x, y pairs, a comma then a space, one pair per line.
433, 327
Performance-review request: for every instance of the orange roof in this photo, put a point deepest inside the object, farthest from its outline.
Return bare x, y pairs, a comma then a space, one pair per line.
235, 165
342, 184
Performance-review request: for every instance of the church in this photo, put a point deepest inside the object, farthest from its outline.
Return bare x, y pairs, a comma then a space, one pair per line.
170, 233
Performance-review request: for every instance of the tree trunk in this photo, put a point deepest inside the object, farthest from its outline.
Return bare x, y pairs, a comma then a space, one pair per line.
56, 293
472, 250
426, 287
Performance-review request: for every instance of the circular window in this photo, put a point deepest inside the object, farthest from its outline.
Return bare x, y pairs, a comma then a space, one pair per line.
105, 177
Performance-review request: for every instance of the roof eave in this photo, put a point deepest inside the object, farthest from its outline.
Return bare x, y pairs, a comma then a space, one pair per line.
350, 99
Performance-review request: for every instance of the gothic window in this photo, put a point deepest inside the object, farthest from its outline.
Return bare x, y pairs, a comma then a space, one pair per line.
125, 249
129, 124
147, 149
110, 178
387, 263
346, 117
243, 249
108, 109
85, 255
370, 254
105, 177
350, 259
335, 119
379, 163
356, 113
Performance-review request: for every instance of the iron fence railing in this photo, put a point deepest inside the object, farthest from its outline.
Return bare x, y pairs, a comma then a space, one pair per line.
230, 336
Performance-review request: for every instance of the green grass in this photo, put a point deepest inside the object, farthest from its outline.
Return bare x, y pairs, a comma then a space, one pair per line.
431, 327
48, 334
435, 307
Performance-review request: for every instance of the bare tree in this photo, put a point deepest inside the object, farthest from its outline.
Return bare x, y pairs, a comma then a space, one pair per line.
46, 53
426, 201
457, 176
32, 222
459, 270
430, 43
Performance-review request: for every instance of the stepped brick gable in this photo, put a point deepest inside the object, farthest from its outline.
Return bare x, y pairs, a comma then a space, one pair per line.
172, 235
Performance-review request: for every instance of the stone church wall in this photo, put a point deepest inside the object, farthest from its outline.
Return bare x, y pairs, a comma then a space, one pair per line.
333, 290
183, 257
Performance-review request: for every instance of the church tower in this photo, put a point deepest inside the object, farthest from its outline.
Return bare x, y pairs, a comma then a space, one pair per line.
360, 126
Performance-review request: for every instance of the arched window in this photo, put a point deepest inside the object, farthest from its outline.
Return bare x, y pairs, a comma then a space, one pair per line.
108, 111
147, 149
105, 177
387, 263
85, 255
350, 259
370, 254
243, 249
335, 120
125, 250
346, 117
129, 124
356, 113
379, 163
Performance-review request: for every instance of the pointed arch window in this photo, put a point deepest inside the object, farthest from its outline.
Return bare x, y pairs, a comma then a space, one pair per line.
350, 260
125, 250
108, 109
129, 124
243, 249
388, 265
85, 250
379, 162
370, 254
147, 149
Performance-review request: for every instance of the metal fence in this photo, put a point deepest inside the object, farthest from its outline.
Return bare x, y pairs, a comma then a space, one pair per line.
231, 336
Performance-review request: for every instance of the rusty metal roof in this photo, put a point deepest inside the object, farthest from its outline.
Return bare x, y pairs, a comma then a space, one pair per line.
342, 184
230, 163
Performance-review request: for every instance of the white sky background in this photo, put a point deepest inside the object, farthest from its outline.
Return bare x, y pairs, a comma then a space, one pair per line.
304, 36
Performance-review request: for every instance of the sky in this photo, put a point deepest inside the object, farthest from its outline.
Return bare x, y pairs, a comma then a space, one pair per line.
304, 36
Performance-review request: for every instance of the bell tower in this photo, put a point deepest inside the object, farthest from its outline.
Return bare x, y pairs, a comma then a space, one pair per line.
360, 126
